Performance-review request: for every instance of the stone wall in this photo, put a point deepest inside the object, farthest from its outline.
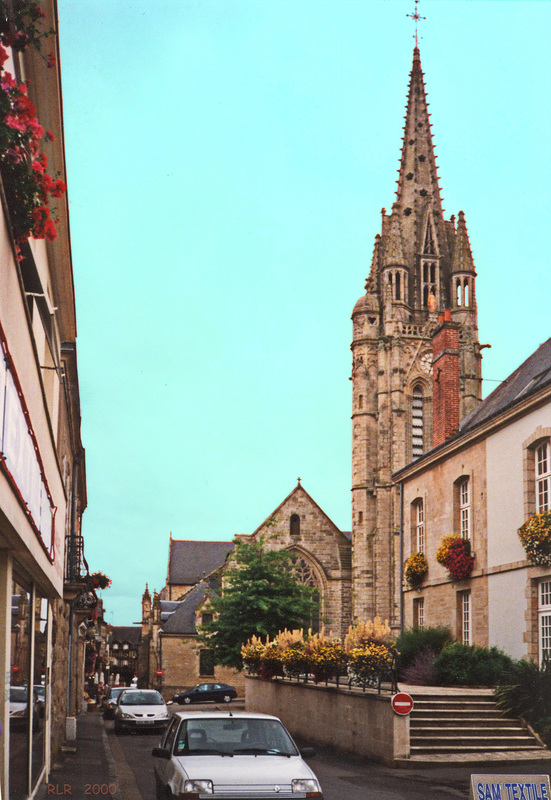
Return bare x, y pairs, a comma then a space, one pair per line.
354, 721
180, 661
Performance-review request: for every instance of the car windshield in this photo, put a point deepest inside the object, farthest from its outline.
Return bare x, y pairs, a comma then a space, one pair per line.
40, 691
141, 699
234, 736
114, 693
18, 694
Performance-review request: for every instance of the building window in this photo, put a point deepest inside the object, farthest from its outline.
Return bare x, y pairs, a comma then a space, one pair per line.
417, 422
419, 613
464, 491
544, 620
206, 662
465, 617
360, 517
420, 526
294, 525
206, 618
543, 477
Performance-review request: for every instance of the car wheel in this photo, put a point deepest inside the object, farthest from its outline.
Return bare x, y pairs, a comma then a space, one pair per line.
187, 700
227, 698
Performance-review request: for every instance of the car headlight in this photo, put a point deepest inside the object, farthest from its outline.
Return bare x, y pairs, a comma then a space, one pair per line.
200, 787
308, 785
124, 715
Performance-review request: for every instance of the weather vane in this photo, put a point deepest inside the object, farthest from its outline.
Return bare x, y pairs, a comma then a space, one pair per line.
416, 16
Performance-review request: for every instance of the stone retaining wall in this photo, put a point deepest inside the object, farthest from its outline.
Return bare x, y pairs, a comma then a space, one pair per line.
350, 720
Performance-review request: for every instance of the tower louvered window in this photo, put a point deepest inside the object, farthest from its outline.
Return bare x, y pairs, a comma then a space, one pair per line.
417, 422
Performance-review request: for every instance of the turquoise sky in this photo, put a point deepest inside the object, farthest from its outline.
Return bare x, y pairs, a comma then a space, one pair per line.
227, 164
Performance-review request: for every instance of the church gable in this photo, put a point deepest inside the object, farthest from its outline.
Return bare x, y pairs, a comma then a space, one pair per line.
299, 523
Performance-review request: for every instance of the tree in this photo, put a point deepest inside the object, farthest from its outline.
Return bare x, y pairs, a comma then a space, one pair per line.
260, 595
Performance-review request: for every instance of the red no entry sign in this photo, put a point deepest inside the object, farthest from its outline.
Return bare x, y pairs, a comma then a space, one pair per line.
402, 703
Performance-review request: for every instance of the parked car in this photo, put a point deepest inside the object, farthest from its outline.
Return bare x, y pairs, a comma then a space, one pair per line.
19, 698
110, 701
230, 756
219, 692
139, 709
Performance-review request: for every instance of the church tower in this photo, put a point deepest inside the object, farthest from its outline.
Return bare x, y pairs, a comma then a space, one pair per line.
422, 266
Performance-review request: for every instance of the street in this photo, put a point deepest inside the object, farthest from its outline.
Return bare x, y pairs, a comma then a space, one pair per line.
342, 776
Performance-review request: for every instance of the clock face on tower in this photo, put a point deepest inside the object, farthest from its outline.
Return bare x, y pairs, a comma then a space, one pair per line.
426, 363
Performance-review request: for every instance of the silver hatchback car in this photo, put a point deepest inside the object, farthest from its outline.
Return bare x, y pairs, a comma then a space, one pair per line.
226, 756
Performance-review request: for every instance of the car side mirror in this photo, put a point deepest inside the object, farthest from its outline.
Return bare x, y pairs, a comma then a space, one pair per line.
161, 752
307, 752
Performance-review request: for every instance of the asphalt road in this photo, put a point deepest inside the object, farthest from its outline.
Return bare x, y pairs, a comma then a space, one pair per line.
343, 777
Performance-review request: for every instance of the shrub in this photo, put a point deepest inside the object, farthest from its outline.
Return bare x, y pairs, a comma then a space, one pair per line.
421, 671
369, 632
525, 691
469, 665
414, 641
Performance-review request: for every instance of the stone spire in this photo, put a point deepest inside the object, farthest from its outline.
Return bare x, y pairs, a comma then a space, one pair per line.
418, 191
462, 255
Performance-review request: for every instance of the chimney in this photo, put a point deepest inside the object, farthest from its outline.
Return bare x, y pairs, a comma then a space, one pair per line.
445, 379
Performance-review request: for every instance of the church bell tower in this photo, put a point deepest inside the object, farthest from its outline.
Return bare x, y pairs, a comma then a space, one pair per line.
422, 265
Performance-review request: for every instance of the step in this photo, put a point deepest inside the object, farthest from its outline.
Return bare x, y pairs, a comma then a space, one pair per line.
427, 749
463, 733
461, 722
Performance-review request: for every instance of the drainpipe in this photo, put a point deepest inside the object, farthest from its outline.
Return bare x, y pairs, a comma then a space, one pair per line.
72, 577
401, 555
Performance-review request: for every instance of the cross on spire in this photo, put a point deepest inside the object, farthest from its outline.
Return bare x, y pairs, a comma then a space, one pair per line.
416, 16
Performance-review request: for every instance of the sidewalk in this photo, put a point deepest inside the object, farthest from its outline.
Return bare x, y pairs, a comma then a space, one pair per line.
90, 771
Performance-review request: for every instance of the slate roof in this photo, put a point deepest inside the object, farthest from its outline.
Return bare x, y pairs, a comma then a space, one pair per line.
190, 561
532, 375
182, 618
126, 633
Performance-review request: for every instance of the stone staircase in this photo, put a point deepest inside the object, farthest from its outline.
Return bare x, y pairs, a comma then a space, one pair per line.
465, 723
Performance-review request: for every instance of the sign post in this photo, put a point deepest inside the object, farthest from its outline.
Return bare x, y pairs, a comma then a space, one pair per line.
402, 704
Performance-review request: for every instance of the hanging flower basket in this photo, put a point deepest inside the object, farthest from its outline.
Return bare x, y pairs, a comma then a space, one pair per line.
100, 581
28, 187
454, 553
535, 536
415, 570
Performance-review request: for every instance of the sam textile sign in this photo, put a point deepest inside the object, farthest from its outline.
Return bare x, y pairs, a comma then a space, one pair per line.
510, 787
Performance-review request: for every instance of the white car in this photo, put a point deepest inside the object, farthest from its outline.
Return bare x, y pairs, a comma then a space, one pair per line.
139, 709
231, 755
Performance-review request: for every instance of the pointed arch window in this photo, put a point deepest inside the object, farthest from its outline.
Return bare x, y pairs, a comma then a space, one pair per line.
462, 292
429, 282
417, 422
